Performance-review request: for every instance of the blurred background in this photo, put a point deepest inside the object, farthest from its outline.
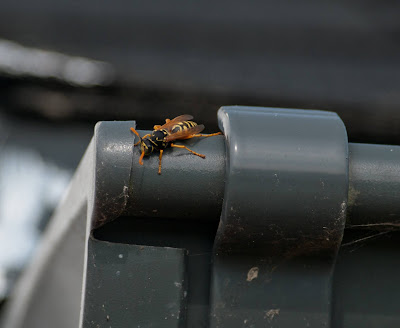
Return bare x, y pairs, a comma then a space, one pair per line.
64, 65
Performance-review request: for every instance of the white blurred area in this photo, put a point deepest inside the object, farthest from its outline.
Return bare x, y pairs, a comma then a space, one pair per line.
16, 59
30, 189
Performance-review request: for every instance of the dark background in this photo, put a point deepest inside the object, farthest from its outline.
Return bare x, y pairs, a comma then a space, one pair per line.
174, 57
166, 58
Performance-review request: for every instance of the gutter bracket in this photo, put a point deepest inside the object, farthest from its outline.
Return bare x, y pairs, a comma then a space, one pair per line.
282, 219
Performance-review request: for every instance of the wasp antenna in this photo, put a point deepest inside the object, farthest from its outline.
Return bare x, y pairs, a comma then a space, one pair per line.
140, 138
135, 132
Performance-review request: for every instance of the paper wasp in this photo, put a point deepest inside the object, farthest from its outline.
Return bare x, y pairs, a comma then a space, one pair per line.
179, 128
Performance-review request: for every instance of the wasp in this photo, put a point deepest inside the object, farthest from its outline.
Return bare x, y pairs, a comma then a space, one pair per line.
162, 137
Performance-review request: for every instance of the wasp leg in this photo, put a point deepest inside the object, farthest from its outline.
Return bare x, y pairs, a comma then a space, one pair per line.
193, 152
157, 127
159, 164
141, 158
204, 135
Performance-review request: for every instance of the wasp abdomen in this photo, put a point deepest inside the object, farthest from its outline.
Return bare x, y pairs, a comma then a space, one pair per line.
182, 126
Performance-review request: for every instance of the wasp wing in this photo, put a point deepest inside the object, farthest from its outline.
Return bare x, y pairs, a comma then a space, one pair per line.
168, 126
185, 134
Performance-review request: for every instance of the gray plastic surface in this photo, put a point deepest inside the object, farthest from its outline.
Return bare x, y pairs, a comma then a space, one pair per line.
283, 217
374, 187
282, 185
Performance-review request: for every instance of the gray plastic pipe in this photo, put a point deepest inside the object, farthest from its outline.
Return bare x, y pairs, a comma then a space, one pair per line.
374, 184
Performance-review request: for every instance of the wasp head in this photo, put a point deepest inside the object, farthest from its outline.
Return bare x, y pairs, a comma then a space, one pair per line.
146, 146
